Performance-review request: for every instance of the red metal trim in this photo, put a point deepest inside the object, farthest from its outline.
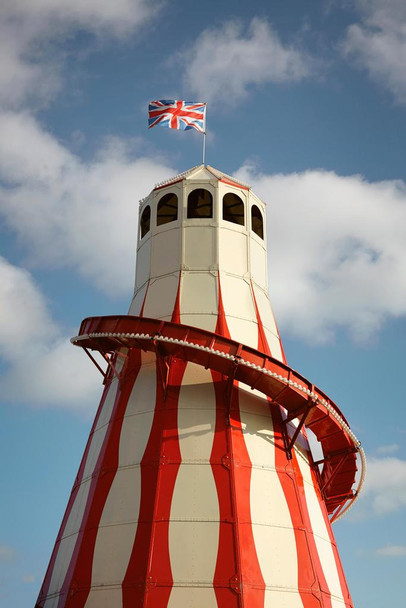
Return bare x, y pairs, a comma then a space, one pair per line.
328, 431
167, 185
234, 184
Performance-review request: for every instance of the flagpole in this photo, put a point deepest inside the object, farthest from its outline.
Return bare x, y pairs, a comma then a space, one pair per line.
204, 135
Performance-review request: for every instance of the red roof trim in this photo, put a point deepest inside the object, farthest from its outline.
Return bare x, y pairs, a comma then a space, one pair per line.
170, 184
230, 183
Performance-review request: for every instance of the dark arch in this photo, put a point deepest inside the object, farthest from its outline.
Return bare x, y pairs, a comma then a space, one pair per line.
167, 210
145, 221
257, 222
233, 209
200, 204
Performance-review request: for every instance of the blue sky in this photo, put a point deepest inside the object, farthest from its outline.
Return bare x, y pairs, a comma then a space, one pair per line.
306, 102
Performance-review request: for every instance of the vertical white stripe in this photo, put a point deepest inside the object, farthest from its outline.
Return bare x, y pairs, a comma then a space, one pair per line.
194, 518
268, 322
74, 521
198, 300
321, 536
137, 301
161, 297
239, 309
118, 523
271, 521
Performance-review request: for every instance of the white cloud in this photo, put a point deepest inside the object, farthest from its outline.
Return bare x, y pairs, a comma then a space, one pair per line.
388, 449
225, 61
7, 553
337, 248
391, 551
385, 487
31, 32
337, 251
378, 43
119, 17
70, 213
42, 367
66, 213
28, 578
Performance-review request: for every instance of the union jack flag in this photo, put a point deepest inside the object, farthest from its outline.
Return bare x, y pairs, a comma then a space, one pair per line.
176, 114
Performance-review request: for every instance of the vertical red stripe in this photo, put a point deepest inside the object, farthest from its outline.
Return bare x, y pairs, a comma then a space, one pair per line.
343, 583
145, 299
79, 477
176, 309
308, 565
321, 587
76, 586
227, 575
252, 580
238, 579
262, 341
148, 579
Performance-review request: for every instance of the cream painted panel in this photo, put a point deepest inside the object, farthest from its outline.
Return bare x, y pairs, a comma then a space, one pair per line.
118, 523
243, 331
195, 499
277, 554
78, 508
165, 253
269, 507
258, 263
143, 264
207, 322
254, 402
192, 597
199, 296
282, 599
237, 298
194, 374
94, 451
233, 254
272, 527
109, 401
52, 602
61, 565
112, 553
274, 345
134, 431
200, 247
265, 310
202, 174
320, 532
137, 301
161, 297
193, 551
193, 541
142, 400
104, 598
121, 506
239, 309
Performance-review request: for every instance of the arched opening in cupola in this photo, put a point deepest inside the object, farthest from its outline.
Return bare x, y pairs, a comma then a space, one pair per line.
257, 222
233, 209
199, 204
167, 210
145, 223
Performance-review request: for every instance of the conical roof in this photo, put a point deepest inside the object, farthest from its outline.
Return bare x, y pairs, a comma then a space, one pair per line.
203, 173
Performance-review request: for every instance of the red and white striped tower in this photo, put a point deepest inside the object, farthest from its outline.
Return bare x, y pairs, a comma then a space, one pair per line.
197, 488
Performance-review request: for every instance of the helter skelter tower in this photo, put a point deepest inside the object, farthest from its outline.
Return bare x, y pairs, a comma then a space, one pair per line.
197, 488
